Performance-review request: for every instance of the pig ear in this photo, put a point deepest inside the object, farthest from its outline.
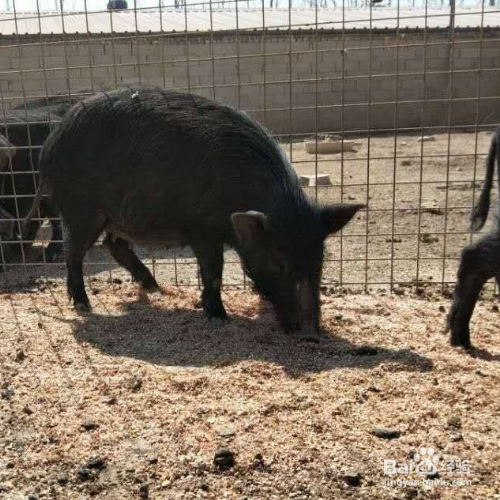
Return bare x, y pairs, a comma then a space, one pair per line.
7, 151
335, 217
249, 227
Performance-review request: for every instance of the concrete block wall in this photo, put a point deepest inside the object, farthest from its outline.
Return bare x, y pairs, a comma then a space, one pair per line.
260, 75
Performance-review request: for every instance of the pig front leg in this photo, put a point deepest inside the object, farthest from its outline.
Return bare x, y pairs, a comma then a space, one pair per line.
479, 262
211, 261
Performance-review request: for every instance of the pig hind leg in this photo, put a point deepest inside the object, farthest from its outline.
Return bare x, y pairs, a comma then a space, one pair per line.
211, 261
123, 254
479, 262
78, 239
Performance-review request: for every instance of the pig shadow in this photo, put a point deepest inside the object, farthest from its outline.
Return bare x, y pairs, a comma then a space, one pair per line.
184, 337
480, 353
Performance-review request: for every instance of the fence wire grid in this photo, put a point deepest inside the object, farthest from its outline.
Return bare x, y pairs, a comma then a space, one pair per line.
406, 96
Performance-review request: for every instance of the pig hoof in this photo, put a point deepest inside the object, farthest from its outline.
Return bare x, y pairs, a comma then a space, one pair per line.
82, 307
457, 342
308, 337
218, 322
149, 284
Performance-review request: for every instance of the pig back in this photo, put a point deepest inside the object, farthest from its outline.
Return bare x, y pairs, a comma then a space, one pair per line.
148, 158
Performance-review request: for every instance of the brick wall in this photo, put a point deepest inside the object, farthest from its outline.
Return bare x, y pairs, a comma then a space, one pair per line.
326, 71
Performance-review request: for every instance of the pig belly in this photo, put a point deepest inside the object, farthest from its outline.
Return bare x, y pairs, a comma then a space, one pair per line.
166, 238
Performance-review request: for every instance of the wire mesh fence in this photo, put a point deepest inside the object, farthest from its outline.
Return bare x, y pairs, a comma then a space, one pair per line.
387, 105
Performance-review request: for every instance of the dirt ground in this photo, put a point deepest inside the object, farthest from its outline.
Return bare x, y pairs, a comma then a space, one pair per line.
135, 400
419, 196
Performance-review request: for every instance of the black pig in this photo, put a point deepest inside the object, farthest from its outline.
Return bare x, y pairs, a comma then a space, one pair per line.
480, 261
23, 130
158, 167
26, 132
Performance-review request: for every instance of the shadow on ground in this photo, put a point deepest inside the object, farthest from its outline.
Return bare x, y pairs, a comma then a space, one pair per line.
477, 352
184, 337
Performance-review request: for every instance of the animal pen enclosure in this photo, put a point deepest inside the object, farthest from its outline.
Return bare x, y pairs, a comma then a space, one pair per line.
417, 90
147, 399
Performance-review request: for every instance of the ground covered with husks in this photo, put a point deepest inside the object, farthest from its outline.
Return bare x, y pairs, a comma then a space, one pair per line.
135, 400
